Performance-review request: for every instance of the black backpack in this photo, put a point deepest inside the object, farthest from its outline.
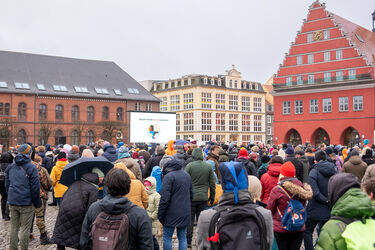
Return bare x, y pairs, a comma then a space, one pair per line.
238, 227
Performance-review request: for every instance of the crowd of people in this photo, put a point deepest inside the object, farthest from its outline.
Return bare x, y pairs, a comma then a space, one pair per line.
235, 196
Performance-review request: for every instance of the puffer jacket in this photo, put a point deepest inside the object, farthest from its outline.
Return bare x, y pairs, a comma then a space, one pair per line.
154, 161
355, 166
170, 150
269, 180
370, 173
250, 167
133, 166
74, 205
58, 188
110, 153
153, 204
278, 199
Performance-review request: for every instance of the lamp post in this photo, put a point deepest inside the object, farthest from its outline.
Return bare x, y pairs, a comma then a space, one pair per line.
373, 21
276, 139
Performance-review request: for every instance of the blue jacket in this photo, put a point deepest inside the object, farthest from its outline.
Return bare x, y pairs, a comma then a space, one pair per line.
110, 153
23, 186
46, 161
317, 207
176, 195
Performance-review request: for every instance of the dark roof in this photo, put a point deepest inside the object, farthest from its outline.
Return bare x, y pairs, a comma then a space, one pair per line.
69, 72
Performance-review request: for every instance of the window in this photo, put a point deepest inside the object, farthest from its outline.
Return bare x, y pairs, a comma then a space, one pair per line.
75, 113
189, 81
76, 140
257, 123
21, 136
206, 138
233, 122
188, 101
258, 138
327, 56
269, 120
42, 112
230, 83
206, 100
310, 79
90, 137
220, 138
233, 102
60, 88
119, 114
22, 85
212, 81
299, 80
163, 104
220, 101
352, 74
188, 121
133, 91
22, 111
298, 107
339, 75
3, 85
269, 130
357, 103
105, 113
90, 113
81, 89
175, 102
59, 112
40, 86
101, 91
219, 82
286, 108
343, 104
338, 54
289, 81
257, 104
327, 105
246, 123
206, 121
299, 60
1, 108
246, 103
235, 83
327, 76
246, 139
117, 92
310, 58
309, 37
178, 122
220, 121
148, 107
314, 106
137, 106
205, 81
326, 34
7, 109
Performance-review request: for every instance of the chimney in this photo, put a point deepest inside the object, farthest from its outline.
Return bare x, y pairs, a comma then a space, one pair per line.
373, 21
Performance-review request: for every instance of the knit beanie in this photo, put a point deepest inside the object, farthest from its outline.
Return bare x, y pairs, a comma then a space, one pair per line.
289, 151
61, 155
24, 149
288, 169
366, 141
135, 155
243, 153
329, 150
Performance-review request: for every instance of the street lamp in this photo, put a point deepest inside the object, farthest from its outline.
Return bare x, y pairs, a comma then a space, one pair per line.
373, 21
276, 139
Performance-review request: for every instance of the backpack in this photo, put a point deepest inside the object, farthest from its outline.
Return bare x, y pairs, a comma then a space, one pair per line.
238, 227
110, 231
294, 216
156, 173
358, 234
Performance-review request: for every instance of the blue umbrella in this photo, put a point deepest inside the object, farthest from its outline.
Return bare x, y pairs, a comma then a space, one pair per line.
181, 142
75, 170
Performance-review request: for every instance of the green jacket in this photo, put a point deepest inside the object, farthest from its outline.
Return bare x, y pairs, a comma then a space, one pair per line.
153, 204
354, 204
202, 177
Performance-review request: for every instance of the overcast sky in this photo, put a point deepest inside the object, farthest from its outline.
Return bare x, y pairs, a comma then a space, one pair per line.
163, 39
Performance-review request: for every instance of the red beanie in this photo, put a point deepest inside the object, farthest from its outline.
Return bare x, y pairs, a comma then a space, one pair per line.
135, 155
288, 169
243, 153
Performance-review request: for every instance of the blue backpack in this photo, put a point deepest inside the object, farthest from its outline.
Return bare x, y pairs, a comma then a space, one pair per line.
294, 216
156, 173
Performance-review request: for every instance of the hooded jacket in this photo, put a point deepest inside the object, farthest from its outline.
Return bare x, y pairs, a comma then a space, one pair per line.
133, 166
269, 180
22, 182
355, 166
368, 158
297, 165
370, 173
46, 161
317, 208
306, 167
154, 161
278, 199
77, 199
170, 150
223, 156
215, 158
58, 188
176, 195
153, 204
202, 177
250, 167
109, 153
140, 230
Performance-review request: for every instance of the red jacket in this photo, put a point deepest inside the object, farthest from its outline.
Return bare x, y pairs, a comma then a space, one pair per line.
278, 199
269, 180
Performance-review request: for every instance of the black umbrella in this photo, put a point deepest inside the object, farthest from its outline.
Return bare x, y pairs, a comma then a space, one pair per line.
74, 171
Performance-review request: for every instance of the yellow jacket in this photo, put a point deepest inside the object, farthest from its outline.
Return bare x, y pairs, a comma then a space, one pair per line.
58, 188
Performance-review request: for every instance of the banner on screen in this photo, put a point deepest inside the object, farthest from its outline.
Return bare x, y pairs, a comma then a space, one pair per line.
152, 127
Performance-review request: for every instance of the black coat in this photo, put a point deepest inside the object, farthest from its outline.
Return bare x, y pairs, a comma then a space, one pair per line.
46, 161
176, 195
154, 161
319, 176
75, 202
250, 167
297, 165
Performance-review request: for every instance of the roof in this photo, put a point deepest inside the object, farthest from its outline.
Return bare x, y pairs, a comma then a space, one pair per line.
94, 79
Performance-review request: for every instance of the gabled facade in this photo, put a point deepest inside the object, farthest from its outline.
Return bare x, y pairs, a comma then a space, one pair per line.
324, 90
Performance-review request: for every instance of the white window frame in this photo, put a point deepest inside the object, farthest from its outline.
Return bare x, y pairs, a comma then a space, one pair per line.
327, 105
246, 123
289, 81
206, 100
326, 34
327, 76
310, 37
339, 54
246, 103
220, 121
339, 75
299, 80
188, 101
175, 102
189, 121
220, 101
327, 56
314, 106
352, 74
310, 79
310, 59
257, 123
299, 60
287, 107
298, 107
257, 104
358, 103
269, 130
206, 121
233, 102
233, 122
343, 104
163, 104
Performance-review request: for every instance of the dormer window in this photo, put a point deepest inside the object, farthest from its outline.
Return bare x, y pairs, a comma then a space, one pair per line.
205, 80
40, 86
118, 92
81, 89
3, 85
219, 82
22, 85
61, 88
102, 91
212, 81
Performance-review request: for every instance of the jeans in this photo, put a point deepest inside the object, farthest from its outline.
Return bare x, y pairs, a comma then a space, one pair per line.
196, 208
156, 243
20, 218
4, 198
308, 234
289, 241
167, 238
58, 201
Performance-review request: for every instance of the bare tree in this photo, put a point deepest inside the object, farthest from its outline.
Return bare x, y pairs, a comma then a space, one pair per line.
110, 128
80, 127
45, 131
6, 126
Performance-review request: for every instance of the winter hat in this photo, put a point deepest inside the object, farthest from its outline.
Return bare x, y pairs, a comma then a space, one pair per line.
300, 152
107, 146
265, 159
48, 147
123, 152
75, 148
338, 184
164, 160
254, 156
366, 141
233, 178
320, 156
98, 172
61, 155
288, 169
255, 149
121, 143
179, 149
24, 149
67, 147
353, 152
329, 150
135, 155
243, 153
255, 187
289, 151
160, 150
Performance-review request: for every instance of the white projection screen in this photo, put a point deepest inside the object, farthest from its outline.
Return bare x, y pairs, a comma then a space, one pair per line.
152, 127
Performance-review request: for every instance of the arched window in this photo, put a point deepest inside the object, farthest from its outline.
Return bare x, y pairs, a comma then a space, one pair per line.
7, 109
59, 137
75, 138
42, 112
59, 112
105, 113
22, 111
90, 113
21, 136
120, 114
1, 108
105, 135
75, 113
90, 137
42, 137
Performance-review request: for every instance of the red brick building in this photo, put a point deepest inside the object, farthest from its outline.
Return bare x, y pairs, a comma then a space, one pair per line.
324, 90
56, 100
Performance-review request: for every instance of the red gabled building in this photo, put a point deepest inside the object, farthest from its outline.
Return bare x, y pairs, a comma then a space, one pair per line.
324, 90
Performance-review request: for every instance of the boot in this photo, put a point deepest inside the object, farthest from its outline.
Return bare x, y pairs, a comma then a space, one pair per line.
44, 240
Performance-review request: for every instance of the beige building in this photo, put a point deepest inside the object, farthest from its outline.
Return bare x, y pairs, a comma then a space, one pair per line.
224, 108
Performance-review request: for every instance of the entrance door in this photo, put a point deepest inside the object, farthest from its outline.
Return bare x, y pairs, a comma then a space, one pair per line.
351, 137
